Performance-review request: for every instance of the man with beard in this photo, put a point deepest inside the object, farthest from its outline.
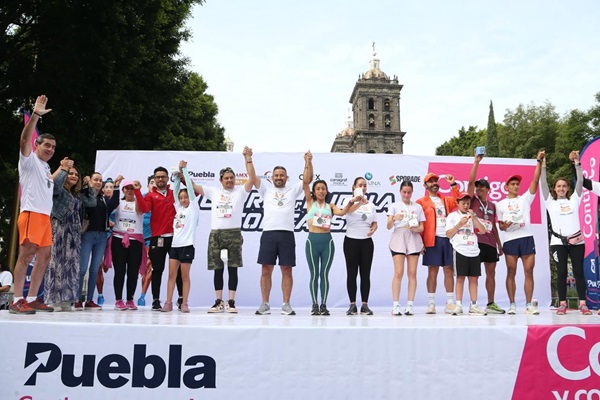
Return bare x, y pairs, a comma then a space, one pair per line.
277, 240
438, 250
161, 203
35, 230
490, 246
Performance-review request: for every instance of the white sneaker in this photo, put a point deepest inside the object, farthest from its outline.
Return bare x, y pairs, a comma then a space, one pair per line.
532, 310
430, 309
475, 310
512, 310
408, 310
396, 310
457, 310
450, 308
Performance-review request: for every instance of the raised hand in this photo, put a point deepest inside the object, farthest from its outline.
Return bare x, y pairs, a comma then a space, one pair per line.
40, 106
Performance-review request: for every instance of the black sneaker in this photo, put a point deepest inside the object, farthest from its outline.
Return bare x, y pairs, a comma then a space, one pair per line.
156, 305
179, 302
352, 310
218, 307
315, 310
364, 309
324, 310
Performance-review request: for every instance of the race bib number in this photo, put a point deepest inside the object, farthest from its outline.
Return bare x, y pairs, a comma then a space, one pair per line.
224, 210
321, 221
126, 225
488, 225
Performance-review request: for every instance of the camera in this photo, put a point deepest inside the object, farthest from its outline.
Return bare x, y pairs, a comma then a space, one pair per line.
480, 150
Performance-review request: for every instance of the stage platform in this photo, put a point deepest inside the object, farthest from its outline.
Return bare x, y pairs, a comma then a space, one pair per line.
153, 355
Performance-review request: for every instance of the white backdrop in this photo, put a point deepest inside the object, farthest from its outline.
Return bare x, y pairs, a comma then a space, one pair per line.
383, 173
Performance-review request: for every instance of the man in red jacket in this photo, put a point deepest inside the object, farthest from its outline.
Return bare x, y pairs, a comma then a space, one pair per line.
161, 202
438, 250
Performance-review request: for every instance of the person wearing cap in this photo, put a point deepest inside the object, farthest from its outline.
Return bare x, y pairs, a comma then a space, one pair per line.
225, 239
514, 220
438, 250
160, 201
277, 241
490, 246
461, 225
566, 240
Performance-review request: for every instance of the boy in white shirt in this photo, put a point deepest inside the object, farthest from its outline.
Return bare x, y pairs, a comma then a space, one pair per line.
466, 252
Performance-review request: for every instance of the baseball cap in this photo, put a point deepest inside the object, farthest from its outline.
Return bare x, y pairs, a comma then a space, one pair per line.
514, 178
127, 182
463, 195
482, 182
430, 176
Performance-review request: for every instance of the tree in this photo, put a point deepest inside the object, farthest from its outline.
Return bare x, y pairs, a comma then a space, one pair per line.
492, 149
464, 144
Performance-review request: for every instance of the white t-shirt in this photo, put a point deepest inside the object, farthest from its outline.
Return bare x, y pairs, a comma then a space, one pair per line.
6, 279
227, 206
358, 223
596, 188
412, 211
185, 223
564, 215
127, 220
37, 184
518, 211
440, 216
465, 240
279, 205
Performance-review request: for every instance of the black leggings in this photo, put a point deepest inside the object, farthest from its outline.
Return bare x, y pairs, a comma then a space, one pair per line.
233, 278
577, 254
126, 261
359, 257
158, 256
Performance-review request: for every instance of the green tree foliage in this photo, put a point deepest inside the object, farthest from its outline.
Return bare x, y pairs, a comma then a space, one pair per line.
492, 148
463, 144
114, 76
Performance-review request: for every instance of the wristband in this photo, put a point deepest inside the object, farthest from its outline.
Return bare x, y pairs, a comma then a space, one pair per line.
578, 164
539, 160
38, 114
453, 184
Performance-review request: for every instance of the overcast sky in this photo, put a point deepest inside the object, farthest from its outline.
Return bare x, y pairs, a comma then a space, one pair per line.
282, 71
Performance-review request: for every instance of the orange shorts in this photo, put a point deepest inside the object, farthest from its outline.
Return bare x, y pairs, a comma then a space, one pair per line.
35, 227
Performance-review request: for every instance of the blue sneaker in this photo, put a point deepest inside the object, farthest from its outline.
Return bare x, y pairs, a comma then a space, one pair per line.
100, 299
142, 300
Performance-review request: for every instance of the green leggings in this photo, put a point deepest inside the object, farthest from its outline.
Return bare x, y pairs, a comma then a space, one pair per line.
319, 255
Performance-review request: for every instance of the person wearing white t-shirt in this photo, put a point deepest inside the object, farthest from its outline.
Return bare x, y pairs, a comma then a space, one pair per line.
461, 232
35, 229
514, 214
566, 240
6, 281
225, 239
277, 240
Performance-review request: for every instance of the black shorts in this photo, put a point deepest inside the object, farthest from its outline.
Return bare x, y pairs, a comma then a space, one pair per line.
182, 254
519, 247
487, 253
466, 266
277, 245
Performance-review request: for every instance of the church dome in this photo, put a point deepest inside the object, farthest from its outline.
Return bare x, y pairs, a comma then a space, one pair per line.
375, 72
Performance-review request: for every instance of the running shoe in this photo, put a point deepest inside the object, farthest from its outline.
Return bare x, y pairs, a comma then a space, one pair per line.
430, 309
352, 310
218, 307
562, 309
156, 305
120, 305
324, 311
39, 305
184, 308
231, 307
264, 309
20, 307
179, 302
78, 306
167, 307
100, 299
475, 310
512, 310
584, 310
315, 309
365, 310
449, 309
65, 306
531, 310
494, 309
91, 306
458, 310
396, 310
131, 305
286, 309
141, 301
408, 310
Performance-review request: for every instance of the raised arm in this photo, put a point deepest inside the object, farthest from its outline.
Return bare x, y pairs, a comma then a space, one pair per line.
188, 183
574, 157
39, 109
308, 168
544, 181
538, 170
58, 177
249, 169
473, 174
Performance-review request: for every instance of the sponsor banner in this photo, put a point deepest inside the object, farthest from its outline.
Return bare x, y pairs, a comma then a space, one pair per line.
304, 359
383, 173
560, 363
588, 215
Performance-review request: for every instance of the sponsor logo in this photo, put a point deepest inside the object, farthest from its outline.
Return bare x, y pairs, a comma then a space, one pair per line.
116, 370
560, 363
241, 178
401, 178
369, 177
316, 177
338, 180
